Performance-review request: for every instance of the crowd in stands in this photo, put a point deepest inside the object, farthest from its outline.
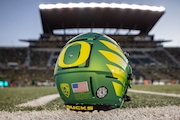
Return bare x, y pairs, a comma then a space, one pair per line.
17, 55
39, 58
175, 52
162, 57
155, 64
26, 77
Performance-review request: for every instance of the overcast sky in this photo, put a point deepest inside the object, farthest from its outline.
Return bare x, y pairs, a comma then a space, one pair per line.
20, 19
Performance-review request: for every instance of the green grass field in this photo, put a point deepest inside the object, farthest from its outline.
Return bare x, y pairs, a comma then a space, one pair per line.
10, 97
159, 88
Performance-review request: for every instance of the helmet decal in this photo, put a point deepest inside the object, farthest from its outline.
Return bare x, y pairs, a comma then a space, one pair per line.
101, 92
80, 87
83, 55
65, 89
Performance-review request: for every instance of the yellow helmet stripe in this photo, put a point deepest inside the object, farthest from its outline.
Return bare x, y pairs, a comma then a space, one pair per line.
117, 73
118, 88
112, 57
114, 48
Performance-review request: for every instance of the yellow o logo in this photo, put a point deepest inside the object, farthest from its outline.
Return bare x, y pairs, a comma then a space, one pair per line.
84, 54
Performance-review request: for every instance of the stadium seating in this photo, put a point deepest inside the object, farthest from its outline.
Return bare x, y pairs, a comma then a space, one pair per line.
163, 57
39, 58
16, 55
152, 64
175, 52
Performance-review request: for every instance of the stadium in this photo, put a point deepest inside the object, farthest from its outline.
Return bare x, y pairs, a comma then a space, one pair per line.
155, 67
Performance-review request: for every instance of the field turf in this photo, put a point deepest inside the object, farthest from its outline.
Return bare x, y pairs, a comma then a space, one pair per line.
10, 97
159, 88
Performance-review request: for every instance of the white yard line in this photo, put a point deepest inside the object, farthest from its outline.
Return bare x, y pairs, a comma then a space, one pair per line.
160, 113
46, 99
154, 93
157, 113
40, 101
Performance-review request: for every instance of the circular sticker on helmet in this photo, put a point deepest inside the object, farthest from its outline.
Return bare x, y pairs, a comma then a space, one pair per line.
101, 92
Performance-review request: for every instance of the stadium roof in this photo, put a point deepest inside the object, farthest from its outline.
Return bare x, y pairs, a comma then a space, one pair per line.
99, 15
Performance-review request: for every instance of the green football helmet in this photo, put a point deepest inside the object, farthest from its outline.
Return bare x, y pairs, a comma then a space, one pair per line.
92, 73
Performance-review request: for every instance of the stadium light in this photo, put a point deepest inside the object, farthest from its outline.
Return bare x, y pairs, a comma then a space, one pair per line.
102, 5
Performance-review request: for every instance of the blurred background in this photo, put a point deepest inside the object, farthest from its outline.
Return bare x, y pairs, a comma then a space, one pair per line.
31, 38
